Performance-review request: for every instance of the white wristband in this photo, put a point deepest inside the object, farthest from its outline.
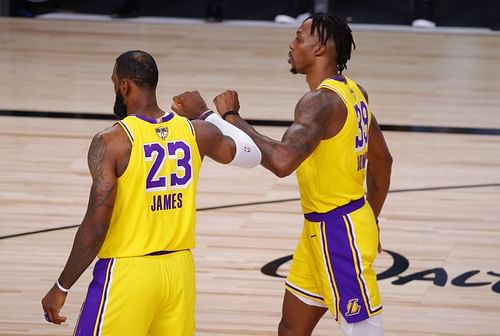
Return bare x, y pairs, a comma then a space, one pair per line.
247, 154
61, 288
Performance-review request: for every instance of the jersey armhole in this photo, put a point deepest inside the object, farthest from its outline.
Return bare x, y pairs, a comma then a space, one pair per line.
126, 129
342, 131
193, 132
130, 136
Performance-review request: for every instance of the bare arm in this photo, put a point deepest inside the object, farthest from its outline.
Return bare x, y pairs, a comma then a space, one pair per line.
216, 138
93, 229
95, 224
379, 165
311, 118
213, 143
379, 168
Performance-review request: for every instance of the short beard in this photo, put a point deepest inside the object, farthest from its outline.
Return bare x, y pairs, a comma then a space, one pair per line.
293, 70
120, 109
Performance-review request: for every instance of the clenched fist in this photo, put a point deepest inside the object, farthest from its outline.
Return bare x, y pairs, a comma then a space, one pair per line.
189, 104
227, 101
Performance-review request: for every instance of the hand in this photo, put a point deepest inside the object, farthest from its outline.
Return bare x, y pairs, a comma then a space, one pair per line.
52, 304
189, 104
227, 101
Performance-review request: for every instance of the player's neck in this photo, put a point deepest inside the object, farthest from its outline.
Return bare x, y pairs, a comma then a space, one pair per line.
147, 108
315, 78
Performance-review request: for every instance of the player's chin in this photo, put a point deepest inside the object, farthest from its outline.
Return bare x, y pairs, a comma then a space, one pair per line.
293, 70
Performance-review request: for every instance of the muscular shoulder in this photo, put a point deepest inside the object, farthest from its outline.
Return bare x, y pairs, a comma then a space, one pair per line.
112, 137
109, 146
324, 107
317, 104
363, 91
205, 130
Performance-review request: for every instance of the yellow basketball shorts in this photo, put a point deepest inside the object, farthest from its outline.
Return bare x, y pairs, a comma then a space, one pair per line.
148, 295
332, 264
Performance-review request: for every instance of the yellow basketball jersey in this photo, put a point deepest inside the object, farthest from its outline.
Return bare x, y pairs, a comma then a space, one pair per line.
155, 206
334, 174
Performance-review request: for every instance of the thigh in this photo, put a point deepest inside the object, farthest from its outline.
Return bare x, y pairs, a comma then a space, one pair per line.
176, 315
118, 288
298, 318
304, 277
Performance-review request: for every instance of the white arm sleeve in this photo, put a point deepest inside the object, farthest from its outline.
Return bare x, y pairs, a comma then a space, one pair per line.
247, 154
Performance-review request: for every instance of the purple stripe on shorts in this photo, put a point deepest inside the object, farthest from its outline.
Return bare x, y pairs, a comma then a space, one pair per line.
342, 263
95, 293
360, 266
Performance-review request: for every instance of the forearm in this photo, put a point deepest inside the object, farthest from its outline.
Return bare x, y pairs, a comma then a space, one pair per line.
378, 181
86, 245
246, 153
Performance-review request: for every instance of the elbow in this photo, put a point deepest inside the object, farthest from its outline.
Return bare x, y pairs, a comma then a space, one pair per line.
93, 234
282, 163
282, 173
389, 159
384, 158
382, 164
282, 169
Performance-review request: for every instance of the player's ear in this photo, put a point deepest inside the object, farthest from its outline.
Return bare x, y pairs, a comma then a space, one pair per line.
124, 87
319, 49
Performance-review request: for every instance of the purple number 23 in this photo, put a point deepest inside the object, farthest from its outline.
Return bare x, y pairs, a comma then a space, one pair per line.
157, 152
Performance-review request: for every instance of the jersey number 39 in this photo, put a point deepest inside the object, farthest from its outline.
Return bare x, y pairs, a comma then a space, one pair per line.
361, 139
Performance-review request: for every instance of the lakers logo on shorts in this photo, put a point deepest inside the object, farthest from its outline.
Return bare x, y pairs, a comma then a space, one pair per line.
353, 308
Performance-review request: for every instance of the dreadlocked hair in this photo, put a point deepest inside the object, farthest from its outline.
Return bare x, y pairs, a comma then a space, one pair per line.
332, 26
138, 66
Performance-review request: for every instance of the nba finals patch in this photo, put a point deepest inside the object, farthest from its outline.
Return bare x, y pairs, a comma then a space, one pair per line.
162, 132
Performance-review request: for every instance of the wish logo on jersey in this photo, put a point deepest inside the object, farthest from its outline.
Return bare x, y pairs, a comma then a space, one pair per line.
353, 308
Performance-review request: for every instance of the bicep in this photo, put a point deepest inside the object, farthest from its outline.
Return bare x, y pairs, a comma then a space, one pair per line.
299, 141
212, 143
311, 119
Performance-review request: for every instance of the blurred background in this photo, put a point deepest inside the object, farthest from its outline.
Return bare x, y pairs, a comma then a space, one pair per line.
459, 13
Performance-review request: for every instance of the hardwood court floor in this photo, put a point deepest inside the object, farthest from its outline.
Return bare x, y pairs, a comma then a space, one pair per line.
442, 215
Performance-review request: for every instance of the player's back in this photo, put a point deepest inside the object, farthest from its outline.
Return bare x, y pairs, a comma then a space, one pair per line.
155, 206
334, 174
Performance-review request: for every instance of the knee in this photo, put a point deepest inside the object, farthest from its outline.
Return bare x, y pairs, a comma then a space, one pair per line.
284, 328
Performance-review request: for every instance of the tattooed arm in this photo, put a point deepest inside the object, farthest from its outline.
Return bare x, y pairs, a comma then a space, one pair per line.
102, 162
312, 122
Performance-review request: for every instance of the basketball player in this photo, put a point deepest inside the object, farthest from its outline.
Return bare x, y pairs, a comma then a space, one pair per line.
334, 144
140, 220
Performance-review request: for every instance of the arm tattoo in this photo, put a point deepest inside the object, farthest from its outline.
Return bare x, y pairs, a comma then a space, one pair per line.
310, 120
92, 231
101, 190
300, 140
